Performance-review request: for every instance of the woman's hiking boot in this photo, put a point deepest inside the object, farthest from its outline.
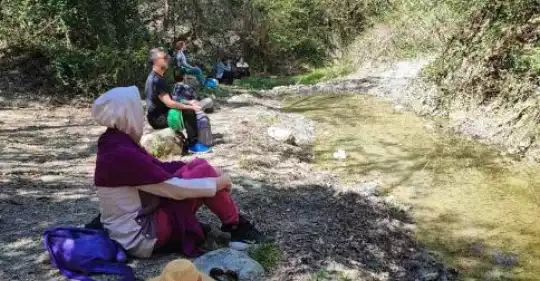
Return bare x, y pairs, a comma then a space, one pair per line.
245, 232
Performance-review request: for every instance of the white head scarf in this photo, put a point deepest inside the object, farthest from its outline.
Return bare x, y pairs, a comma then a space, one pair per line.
121, 108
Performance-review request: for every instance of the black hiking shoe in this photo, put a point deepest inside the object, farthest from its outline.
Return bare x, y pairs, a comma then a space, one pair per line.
181, 140
245, 232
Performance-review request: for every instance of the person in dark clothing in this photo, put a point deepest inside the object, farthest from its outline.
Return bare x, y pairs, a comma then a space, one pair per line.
242, 68
164, 112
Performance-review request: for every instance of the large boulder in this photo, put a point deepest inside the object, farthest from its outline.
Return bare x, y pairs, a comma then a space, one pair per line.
162, 143
229, 259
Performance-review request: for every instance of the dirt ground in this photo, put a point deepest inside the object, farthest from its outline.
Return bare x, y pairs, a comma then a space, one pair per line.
47, 161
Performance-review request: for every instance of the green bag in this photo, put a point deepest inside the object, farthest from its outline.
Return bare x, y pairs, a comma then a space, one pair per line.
175, 120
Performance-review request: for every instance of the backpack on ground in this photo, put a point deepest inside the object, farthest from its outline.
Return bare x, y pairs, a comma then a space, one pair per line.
80, 252
204, 130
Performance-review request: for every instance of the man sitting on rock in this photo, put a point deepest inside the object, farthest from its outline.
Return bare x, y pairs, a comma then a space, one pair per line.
163, 111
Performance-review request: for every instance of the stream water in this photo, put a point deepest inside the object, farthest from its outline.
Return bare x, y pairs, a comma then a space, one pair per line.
474, 206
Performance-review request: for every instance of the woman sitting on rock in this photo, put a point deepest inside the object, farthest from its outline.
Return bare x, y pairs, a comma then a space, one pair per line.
146, 204
183, 65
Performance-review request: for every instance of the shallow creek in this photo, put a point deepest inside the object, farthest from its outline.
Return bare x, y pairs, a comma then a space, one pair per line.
476, 207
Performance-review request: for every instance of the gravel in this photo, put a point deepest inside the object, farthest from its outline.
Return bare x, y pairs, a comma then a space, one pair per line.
47, 167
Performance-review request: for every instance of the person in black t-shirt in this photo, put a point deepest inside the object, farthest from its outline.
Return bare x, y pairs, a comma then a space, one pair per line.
163, 111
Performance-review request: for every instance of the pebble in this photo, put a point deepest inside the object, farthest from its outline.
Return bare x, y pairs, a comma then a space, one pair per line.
340, 154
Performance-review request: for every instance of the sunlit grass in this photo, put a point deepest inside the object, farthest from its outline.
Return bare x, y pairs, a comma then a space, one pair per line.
312, 77
471, 204
268, 255
325, 275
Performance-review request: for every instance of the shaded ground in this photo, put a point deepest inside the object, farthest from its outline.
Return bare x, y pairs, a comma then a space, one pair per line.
47, 160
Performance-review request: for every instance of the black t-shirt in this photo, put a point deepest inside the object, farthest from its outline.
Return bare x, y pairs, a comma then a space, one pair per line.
154, 87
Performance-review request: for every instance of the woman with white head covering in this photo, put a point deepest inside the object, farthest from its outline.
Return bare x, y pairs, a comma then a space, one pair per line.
146, 204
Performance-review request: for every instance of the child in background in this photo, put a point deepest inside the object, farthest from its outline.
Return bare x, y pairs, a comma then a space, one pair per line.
184, 93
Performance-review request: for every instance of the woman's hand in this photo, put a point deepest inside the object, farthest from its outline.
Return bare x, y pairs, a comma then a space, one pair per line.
224, 182
196, 107
219, 172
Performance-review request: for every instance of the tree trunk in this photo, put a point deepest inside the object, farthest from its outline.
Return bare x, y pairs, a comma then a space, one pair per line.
166, 17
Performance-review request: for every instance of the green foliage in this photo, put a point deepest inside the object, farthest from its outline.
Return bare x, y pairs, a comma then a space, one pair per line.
312, 29
268, 255
309, 78
494, 55
93, 45
485, 50
265, 83
90, 46
324, 275
90, 73
406, 29
159, 148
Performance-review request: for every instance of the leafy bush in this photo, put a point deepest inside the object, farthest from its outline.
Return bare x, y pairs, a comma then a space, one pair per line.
408, 28
86, 73
494, 55
90, 46
94, 45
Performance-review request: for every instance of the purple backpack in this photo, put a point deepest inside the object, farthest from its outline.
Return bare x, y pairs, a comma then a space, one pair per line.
80, 252
204, 129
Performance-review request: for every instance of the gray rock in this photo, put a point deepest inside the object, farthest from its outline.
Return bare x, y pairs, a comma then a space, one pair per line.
500, 258
207, 103
162, 143
478, 248
367, 188
229, 259
340, 154
281, 134
241, 99
294, 129
430, 276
